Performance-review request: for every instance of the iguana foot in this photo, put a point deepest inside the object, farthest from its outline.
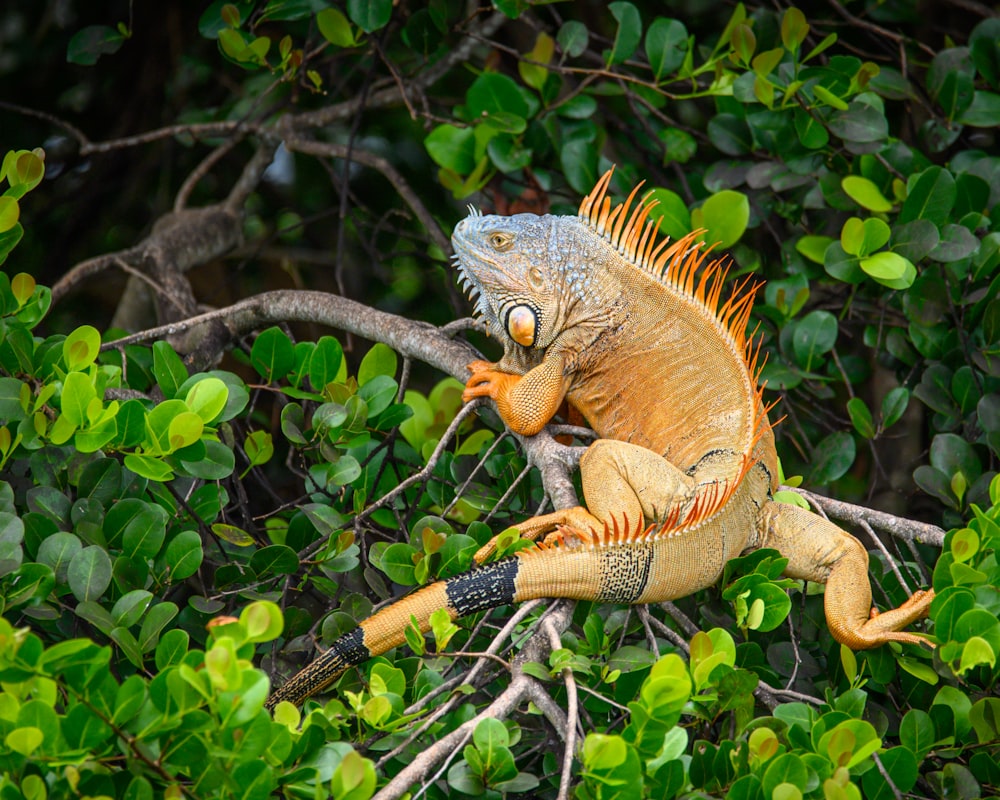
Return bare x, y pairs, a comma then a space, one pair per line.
486, 381
557, 525
883, 627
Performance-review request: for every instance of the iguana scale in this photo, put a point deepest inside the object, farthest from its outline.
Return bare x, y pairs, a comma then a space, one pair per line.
632, 330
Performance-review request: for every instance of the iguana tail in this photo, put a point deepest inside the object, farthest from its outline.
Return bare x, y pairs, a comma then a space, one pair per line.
614, 567
480, 589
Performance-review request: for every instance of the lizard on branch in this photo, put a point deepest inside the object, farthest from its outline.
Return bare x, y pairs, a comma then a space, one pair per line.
633, 331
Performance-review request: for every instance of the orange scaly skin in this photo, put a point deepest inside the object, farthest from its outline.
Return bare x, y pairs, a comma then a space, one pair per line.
632, 330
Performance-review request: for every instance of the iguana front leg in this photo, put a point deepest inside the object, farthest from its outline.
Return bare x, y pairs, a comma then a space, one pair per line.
817, 550
525, 402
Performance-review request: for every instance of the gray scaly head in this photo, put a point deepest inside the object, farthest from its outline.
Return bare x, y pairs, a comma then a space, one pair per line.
501, 263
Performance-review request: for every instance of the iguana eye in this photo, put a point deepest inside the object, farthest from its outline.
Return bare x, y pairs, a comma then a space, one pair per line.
500, 240
522, 325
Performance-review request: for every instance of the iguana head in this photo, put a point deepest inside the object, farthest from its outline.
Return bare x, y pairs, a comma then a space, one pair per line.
505, 265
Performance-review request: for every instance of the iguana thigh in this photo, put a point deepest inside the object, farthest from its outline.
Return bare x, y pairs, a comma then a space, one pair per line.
623, 484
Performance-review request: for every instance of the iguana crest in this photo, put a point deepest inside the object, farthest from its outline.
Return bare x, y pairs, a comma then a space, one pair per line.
677, 264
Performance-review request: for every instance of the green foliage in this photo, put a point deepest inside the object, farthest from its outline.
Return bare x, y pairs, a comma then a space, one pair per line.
70, 725
23, 171
139, 503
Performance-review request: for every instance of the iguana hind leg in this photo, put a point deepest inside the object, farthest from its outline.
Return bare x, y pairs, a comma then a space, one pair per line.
817, 550
622, 483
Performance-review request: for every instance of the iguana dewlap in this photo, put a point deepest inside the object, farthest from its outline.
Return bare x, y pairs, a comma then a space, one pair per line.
631, 329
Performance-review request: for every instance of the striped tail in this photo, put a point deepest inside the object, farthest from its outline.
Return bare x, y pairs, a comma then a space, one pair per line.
479, 589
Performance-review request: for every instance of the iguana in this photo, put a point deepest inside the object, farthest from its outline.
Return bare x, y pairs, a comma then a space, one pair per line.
631, 329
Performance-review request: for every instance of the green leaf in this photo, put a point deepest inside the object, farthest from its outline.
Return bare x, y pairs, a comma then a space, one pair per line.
144, 534
950, 80
573, 38
787, 768
378, 393
398, 562
493, 93
259, 447
916, 732
811, 131
452, 148
833, 456
579, 164
930, 195
890, 269
535, 75
262, 620
10, 211
81, 347
130, 607
276, 559
859, 124
335, 28
182, 556
232, 534
666, 45
57, 551
272, 354
678, 146
900, 764
861, 417
24, 741
90, 43
158, 617
127, 644
89, 573
153, 468
830, 98
743, 42
976, 651
985, 718
326, 363
168, 369
813, 247
866, 194
369, 15
724, 215
794, 29
957, 242
77, 393
671, 213
764, 63
814, 335
184, 429
914, 240
984, 44
379, 360
894, 405
983, 112
627, 35
207, 398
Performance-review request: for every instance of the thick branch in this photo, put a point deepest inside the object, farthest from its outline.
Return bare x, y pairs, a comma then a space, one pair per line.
179, 241
900, 527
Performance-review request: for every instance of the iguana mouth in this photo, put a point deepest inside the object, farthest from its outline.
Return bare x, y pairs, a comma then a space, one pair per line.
473, 289
468, 280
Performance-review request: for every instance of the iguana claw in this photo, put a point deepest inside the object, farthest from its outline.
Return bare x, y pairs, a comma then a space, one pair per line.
486, 381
